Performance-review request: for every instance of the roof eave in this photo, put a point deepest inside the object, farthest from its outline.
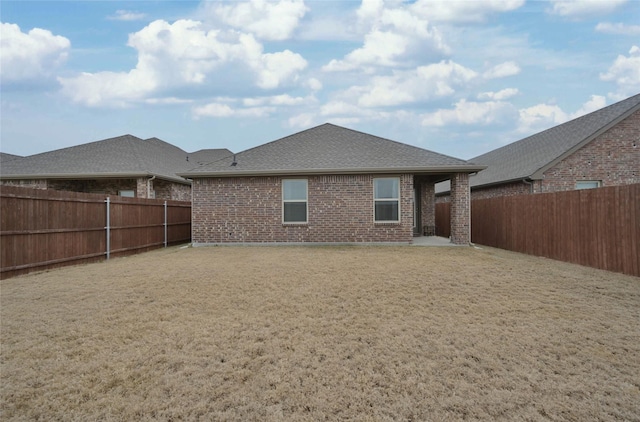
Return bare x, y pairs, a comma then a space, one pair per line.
87, 176
313, 172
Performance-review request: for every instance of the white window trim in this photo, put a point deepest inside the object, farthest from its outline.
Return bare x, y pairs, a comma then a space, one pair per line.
133, 193
597, 182
306, 221
386, 199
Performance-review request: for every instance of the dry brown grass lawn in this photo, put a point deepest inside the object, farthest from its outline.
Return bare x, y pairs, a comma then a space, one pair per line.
321, 333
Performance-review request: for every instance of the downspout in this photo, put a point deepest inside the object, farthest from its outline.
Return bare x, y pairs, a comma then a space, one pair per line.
149, 180
528, 183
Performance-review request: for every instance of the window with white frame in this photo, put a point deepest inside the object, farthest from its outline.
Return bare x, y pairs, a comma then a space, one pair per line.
294, 201
588, 184
386, 199
127, 193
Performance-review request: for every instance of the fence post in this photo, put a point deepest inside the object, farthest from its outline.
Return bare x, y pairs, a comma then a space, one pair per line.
108, 227
165, 224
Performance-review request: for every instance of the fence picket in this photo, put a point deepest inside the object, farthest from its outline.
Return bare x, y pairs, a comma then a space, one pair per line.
599, 228
41, 229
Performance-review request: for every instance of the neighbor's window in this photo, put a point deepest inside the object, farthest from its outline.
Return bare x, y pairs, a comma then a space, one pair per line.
127, 193
386, 199
588, 184
294, 201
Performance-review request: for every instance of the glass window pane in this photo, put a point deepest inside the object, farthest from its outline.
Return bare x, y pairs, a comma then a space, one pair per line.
386, 188
588, 184
294, 190
386, 210
295, 212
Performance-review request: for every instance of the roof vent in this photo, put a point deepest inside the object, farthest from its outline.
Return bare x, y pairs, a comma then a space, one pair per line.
235, 163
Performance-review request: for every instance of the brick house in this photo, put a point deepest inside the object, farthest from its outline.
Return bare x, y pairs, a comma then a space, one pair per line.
125, 165
601, 148
326, 184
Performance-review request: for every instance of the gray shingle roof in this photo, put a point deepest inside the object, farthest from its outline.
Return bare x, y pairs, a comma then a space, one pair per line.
531, 156
330, 149
123, 156
8, 157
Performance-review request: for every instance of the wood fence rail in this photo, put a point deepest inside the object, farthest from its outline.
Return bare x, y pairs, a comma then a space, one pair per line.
41, 229
598, 228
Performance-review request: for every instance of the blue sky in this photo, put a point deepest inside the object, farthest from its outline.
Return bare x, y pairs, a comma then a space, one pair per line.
456, 77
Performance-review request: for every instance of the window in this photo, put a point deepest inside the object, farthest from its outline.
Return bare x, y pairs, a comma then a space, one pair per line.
386, 199
294, 201
127, 193
588, 184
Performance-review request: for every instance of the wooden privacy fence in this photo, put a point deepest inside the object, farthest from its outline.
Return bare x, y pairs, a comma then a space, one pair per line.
598, 228
41, 229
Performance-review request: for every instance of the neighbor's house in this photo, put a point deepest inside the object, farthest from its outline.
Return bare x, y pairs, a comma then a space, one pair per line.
125, 165
326, 184
601, 148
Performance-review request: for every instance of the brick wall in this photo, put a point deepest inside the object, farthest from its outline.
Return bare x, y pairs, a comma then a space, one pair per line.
163, 189
612, 158
34, 184
460, 209
105, 186
506, 189
340, 209
169, 190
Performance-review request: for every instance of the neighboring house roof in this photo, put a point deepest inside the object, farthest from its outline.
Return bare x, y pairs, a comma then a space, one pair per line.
123, 156
331, 149
8, 157
206, 156
532, 156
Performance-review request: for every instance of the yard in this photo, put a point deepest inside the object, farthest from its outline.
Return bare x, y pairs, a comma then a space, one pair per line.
321, 333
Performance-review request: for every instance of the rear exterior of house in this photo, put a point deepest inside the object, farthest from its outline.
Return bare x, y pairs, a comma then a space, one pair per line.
326, 185
325, 208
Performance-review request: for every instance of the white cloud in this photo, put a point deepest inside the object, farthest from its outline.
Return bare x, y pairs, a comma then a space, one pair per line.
183, 54
224, 110
30, 56
277, 100
584, 8
425, 82
471, 113
540, 117
127, 15
501, 95
543, 116
502, 70
341, 108
313, 84
618, 28
108, 88
167, 101
625, 72
595, 103
393, 37
267, 20
463, 11
303, 120
277, 68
